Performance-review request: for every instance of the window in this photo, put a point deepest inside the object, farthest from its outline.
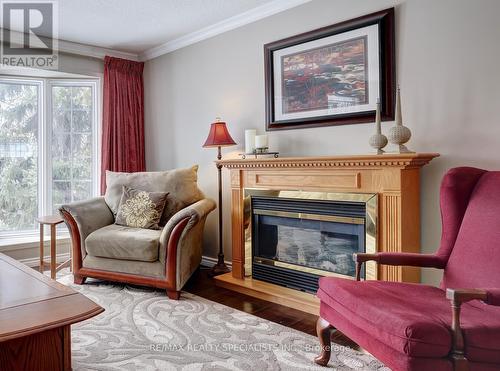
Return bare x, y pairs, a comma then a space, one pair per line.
19, 127
48, 149
72, 144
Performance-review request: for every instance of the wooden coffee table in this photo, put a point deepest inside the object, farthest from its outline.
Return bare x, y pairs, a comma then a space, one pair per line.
35, 317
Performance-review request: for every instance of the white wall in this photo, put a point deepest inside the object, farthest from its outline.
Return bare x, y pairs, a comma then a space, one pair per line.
448, 54
69, 66
82, 65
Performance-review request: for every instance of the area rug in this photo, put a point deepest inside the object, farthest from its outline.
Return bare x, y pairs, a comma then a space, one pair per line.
141, 329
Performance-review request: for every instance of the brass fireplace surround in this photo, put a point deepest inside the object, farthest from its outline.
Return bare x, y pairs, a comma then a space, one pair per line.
370, 222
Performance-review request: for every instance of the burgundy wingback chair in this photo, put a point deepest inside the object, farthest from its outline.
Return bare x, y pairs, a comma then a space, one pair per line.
411, 326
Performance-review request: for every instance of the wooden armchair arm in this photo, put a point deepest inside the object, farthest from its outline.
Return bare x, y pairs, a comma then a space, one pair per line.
464, 295
393, 258
457, 298
493, 297
195, 212
82, 218
360, 258
181, 242
171, 254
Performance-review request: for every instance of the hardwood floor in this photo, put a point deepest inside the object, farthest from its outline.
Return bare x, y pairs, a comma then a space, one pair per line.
202, 285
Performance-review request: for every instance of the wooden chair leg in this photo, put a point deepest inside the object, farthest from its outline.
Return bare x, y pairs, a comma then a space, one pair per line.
174, 295
79, 280
42, 262
324, 331
71, 258
53, 251
460, 363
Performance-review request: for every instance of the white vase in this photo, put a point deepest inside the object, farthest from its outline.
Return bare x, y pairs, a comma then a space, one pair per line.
399, 134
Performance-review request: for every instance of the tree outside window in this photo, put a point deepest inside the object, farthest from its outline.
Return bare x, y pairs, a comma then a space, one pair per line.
45, 160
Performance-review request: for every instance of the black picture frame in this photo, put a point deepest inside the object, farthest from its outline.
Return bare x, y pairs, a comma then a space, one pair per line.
387, 75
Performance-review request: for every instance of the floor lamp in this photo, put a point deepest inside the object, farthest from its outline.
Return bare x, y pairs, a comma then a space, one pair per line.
219, 137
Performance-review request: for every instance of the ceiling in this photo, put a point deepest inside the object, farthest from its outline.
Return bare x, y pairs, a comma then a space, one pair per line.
136, 26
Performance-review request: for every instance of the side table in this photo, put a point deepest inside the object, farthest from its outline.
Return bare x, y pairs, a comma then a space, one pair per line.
53, 221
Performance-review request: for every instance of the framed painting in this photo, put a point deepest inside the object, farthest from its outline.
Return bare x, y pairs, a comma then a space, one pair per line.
333, 75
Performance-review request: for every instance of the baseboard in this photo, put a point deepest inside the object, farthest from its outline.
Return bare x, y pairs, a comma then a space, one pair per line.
35, 262
30, 242
208, 261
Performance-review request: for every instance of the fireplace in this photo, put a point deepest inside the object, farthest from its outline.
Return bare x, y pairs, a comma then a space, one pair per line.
388, 185
296, 237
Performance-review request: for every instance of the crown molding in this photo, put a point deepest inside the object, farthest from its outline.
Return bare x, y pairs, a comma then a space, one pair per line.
94, 51
70, 47
229, 24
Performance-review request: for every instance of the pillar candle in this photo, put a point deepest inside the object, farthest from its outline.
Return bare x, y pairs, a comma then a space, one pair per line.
250, 140
261, 141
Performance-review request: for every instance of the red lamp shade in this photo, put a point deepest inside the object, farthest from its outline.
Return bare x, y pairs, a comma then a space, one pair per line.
219, 136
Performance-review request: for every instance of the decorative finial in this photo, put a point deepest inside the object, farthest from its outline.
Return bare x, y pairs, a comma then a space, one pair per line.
218, 119
399, 116
378, 140
399, 134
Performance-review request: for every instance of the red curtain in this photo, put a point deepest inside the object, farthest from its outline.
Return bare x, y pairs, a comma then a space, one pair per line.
123, 117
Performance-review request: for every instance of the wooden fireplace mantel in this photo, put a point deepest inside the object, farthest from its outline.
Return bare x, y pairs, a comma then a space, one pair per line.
401, 161
395, 178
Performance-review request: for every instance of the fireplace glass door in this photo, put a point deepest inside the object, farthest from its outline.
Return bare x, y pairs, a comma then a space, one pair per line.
317, 242
297, 237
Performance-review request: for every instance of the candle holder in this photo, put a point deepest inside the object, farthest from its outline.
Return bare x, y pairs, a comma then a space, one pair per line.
264, 151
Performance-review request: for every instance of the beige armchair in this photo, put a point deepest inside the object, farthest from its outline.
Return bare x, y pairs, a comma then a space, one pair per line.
164, 258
